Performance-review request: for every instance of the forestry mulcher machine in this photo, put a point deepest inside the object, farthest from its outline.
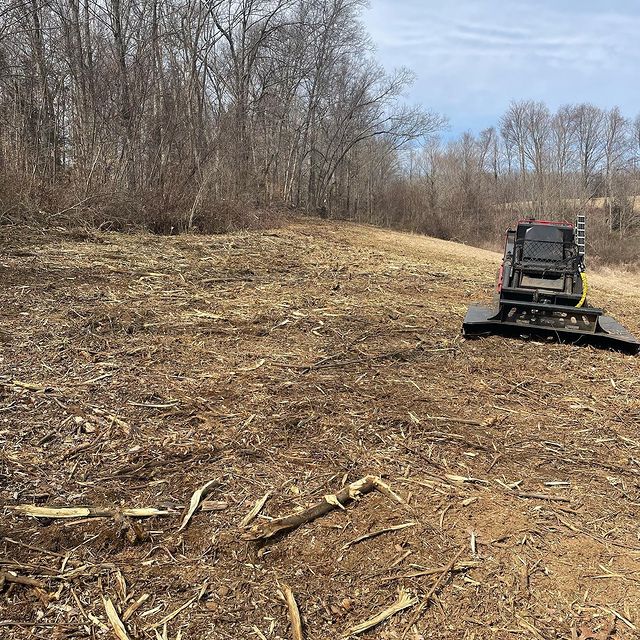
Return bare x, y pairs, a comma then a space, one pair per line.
542, 289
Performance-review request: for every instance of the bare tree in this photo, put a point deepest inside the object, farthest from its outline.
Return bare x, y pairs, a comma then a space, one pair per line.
616, 145
590, 122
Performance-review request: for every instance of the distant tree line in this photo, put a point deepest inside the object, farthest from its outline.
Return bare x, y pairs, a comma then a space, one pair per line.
533, 162
195, 114
175, 112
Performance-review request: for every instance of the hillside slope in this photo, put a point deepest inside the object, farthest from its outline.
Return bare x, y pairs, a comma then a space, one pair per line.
136, 369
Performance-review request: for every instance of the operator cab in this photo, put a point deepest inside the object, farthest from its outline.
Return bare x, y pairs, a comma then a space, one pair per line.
545, 257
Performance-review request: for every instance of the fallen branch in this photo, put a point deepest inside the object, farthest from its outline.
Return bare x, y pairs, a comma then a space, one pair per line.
404, 602
85, 512
294, 614
351, 492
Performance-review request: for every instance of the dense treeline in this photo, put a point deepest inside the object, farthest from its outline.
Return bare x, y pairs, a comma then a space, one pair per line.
197, 114
170, 111
533, 162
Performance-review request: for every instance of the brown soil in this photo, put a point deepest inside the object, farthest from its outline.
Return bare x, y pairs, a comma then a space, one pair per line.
137, 368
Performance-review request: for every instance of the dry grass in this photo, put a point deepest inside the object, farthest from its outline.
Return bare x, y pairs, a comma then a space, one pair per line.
137, 369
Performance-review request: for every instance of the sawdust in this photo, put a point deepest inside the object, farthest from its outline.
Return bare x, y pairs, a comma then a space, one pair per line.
137, 369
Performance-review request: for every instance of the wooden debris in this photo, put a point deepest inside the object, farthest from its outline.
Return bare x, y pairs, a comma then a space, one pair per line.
214, 505
86, 512
30, 386
351, 492
473, 423
258, 632
464, 479
436, 585
378, 532
472, 544
257, 507
405, 600
385, 489
459, 566
134, 606
529, 627
196, 498
117, 624
542, 496
173, 614
624, 620
588, 632
294, 614
8, 576
71, 440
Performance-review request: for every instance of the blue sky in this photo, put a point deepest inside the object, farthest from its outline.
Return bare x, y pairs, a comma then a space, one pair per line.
472, 57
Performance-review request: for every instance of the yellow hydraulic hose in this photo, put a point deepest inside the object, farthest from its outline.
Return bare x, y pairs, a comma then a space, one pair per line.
585, 286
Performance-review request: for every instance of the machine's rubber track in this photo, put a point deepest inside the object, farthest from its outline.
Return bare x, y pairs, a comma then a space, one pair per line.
483, 320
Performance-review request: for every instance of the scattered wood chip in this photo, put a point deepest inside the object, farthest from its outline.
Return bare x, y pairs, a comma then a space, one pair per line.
624, 620
458, 566
542, 496
464, 479
194, 503
117, 624
173, 614
253, 367
9, 576
30, 386
257, 507
436, 585
586, 632
294, 614
213, 505
405, 600
134, 606
86, 512
530, 628
258, 632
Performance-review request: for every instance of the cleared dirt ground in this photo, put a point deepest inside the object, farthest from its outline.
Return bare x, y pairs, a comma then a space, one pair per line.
135, 369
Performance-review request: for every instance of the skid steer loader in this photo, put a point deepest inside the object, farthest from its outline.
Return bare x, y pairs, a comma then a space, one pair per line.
542, 289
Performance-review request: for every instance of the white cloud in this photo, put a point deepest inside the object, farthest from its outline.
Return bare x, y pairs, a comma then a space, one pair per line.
472, 57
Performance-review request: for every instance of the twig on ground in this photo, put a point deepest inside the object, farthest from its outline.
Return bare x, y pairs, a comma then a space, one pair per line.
378, 532
404, 601
445, 572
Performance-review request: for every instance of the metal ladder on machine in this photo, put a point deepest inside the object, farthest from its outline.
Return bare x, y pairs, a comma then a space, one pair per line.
581, 224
